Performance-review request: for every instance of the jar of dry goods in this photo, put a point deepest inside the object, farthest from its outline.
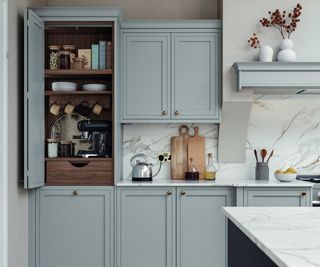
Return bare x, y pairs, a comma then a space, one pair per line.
54, 56
64, 59
66, 149
79, 63
52, 148
71, 49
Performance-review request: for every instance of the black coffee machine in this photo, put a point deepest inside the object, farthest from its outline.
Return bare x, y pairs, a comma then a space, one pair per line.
99, 134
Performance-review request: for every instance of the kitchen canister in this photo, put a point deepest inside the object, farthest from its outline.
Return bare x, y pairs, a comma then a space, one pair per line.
52, 148
262, 171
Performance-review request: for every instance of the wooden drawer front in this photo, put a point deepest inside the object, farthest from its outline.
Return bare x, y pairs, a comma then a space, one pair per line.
79, 172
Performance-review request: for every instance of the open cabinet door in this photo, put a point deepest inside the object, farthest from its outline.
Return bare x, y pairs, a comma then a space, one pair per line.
34, 101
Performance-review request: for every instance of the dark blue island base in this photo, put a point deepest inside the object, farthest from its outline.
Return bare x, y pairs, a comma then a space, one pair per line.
242, 252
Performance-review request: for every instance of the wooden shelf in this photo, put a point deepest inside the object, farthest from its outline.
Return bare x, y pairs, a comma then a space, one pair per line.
58, 73
76, 159
52, 93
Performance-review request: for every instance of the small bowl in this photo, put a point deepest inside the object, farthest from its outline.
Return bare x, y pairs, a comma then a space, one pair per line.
94, 87
285, 177
64, 86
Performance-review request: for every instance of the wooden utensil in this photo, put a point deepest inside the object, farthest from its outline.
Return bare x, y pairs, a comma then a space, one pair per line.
197, 151
263, 154
271, 154
256, 155
179, 153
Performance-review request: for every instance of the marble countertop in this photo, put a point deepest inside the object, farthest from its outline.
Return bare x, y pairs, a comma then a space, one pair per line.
289, 236
218, 182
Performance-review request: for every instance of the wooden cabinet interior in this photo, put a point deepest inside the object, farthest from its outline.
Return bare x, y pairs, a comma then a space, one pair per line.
77, 170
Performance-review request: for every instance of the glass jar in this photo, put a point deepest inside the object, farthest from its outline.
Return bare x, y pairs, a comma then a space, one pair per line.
66, 149
78, 63
54, 56
52, 148
192, 173
211, 169
71, 49
64, 59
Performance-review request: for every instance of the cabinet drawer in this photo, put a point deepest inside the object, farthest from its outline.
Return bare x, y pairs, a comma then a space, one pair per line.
80, 172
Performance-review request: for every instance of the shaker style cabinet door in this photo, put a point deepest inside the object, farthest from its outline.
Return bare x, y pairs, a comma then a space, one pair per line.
195, 76
201, 226
277, 197
146, 76
74, 227
145, 227
34, 101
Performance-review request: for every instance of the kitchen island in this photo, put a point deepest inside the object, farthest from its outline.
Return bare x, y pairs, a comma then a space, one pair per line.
273, 236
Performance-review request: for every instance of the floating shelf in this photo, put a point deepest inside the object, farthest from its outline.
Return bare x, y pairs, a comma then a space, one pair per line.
278, 77
57, 73
52, 93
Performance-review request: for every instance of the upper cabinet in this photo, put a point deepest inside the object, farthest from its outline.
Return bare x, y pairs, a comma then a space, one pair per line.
171, 71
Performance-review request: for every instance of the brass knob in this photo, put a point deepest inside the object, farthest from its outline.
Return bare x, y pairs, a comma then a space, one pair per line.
303, 193
164, 113
169, 193
176, 113
183, 193
75, 193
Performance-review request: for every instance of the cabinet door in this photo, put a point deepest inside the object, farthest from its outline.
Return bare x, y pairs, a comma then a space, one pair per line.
277, 197
201, 226
146, 227
195, 76
146, 74
34, 101
74, 227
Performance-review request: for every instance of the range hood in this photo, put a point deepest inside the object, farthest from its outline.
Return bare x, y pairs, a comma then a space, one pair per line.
278, 77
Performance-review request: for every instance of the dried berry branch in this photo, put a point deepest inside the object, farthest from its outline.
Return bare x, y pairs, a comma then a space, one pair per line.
254, 41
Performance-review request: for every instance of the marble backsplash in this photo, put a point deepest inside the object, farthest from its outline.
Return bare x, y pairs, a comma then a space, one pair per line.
288, 124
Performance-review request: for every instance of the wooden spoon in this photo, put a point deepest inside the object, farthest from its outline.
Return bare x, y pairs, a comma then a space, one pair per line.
263, 154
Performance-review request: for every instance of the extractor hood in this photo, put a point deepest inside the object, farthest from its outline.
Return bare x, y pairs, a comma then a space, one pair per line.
278, 77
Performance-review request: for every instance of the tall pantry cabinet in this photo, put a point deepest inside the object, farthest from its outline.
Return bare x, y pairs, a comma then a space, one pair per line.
71, 199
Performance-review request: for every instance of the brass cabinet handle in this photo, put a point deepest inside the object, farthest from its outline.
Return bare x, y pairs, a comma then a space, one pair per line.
183, 193
176, 113
75, 193
303, 193
164, 113
169, 193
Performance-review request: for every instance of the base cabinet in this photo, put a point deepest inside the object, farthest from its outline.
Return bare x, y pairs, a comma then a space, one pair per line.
147, 219
74, 227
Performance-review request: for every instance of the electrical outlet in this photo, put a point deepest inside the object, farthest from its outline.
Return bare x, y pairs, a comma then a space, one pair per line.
164, 157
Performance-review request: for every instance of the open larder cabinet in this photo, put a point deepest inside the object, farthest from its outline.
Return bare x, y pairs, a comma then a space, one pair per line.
70, 101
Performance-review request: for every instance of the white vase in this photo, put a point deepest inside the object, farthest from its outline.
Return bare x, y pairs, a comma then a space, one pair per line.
286, 53
265, 53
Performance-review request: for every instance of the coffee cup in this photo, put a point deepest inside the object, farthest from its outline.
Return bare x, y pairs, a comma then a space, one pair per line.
55, 109
97, 109
83, 109
68, 108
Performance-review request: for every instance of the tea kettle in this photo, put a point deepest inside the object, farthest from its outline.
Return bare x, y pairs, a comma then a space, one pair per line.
141, 170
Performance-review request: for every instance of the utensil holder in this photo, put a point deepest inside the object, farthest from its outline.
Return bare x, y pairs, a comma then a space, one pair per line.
262, 171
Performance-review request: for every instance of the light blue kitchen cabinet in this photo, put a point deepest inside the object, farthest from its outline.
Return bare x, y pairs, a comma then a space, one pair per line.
145, 227
195, 79
277, 197
146, 76
171, 72
201, 226
74, 227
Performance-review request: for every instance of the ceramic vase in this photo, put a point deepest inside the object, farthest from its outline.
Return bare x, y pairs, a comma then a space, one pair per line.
286, 53
265, 53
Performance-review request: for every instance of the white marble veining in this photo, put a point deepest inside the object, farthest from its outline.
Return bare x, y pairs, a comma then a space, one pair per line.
217, 183
288, 124
289, 236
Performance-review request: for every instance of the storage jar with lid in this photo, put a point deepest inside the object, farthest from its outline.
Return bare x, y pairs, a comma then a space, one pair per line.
66, 149
71, 49
79, 63
54, 56
64, 58
52, 148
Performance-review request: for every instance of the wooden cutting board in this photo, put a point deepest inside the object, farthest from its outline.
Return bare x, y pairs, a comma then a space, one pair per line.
197, 151
179, 153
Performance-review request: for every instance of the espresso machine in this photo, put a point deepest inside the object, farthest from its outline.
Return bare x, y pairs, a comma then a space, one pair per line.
99, 135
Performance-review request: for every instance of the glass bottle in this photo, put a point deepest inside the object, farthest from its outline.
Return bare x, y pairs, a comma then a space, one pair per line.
192, 173
211, 169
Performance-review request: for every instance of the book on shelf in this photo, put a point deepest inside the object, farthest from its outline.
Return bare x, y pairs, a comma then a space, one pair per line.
109, 55
102, 54
86, 54
95, 56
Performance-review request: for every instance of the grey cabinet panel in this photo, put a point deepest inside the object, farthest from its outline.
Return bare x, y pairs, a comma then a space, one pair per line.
195, 75
34, 102
146, 227
201, 226
74, 230
146, 75
277, 197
